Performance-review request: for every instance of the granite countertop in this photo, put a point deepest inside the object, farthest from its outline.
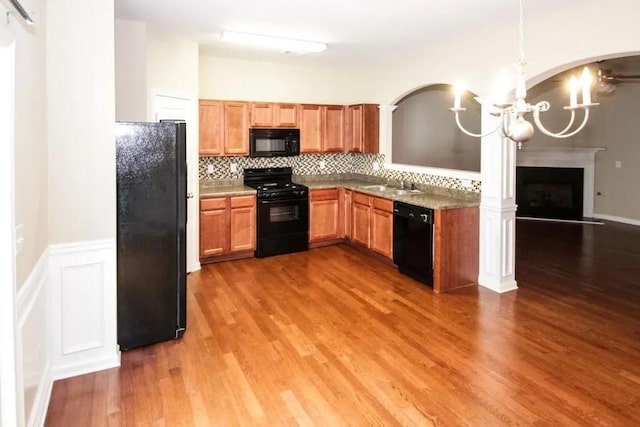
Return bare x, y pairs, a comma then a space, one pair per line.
209, 190
431, 197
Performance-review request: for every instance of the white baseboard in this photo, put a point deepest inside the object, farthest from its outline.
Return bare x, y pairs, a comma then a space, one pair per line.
507, 286
617, 219
82, 279
33, 349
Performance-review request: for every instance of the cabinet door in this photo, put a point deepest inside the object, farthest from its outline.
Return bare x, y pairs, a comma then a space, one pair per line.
310, 128
262, 114
382, 232
353, 130
361, 220
236, 128
286, 115
242, 223
214, 230
211, 133
333, 128
324, 215
345, 214
243, 229
370, 128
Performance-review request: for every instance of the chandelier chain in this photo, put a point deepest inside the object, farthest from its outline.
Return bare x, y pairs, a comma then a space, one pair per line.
521, 33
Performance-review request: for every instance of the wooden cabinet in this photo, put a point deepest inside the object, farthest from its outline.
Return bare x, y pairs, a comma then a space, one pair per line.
362, 129
211, 128
456, 246
242, 223
227, 225
270, 114
332, 128
224, 128
372, 223
213, 227
382, 226
361, 219
345, 213
324, 215
236, 128
321, 128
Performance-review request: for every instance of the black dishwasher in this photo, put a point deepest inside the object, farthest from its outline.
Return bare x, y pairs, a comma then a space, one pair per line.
413, 241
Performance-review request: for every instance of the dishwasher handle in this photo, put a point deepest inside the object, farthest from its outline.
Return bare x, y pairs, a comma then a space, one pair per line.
413, 213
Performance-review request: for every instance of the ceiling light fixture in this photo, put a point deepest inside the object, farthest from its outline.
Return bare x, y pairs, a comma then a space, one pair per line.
279, 43
513, 125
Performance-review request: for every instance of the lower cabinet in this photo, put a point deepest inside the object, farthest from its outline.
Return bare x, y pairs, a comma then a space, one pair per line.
324, 215
227, 225
372, 223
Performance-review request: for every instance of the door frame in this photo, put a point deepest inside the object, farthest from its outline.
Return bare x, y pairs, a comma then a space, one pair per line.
10, 394
188, 104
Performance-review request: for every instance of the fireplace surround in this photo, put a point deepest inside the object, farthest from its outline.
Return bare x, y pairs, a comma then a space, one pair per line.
560, 158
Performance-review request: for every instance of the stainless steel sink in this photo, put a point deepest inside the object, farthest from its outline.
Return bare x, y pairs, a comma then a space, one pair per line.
390, 190
376, 187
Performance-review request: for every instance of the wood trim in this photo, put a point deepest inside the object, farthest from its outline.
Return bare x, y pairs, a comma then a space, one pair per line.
228, 257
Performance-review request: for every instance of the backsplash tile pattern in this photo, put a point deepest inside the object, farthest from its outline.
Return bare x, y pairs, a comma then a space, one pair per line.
335, 163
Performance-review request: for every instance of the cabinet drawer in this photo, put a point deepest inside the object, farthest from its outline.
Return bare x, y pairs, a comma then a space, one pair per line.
382, 204
362, 199
213, 204
242, 201
324, 194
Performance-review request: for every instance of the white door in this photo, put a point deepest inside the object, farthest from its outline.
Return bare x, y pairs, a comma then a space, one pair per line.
167, 107
10, 400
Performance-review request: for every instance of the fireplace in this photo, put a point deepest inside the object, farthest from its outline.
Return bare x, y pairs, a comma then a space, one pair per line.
582, 158
546, 192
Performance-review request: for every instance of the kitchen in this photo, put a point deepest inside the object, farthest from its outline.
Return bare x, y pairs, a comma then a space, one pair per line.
57, 179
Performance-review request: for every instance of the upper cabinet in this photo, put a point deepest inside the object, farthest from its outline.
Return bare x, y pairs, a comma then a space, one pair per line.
321, 128
224, 128
362, 129
211, 127
274, 115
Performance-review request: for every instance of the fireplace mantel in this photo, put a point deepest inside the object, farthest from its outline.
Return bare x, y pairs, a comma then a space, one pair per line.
565, 157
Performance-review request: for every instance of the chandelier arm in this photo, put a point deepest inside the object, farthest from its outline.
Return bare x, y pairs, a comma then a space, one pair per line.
474, 135
536, 118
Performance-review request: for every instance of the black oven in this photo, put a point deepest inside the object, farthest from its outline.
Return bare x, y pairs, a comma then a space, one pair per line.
274, 142
282, 212
283, 226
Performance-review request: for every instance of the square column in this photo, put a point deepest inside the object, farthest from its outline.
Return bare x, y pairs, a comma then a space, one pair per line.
497, 207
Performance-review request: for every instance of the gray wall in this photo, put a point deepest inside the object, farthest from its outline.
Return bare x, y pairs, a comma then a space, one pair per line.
615, 125
425, 133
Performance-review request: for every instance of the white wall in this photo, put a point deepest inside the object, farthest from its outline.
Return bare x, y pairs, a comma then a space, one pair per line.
245, 80
31, 140
130, 70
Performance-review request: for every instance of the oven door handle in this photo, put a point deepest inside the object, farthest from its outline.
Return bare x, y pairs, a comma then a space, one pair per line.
271, 202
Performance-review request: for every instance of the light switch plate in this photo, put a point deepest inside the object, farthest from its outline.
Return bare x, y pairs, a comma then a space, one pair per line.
466, 183
209, 168
618, 164
322, 164
376, 166
233, 167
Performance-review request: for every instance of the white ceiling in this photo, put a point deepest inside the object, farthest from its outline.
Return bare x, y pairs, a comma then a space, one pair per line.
356, 31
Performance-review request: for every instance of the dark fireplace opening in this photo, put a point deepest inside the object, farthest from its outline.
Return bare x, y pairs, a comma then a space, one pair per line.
543, 192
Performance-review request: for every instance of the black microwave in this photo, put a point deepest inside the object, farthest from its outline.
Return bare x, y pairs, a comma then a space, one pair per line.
274, 142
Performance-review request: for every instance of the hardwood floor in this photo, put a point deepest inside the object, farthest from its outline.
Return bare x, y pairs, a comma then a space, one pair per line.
332, 337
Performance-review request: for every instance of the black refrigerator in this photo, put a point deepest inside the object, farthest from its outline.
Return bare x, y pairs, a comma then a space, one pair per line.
152, 214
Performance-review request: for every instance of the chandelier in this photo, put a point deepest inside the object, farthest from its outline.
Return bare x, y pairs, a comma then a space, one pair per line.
512, 123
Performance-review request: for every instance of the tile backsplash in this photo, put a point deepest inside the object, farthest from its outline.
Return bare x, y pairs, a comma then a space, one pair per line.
334, 163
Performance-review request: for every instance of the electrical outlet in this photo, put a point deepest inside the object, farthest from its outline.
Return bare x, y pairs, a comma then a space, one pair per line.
233, 167
376, 166
466, 183
209, 169
618, 164
322, 164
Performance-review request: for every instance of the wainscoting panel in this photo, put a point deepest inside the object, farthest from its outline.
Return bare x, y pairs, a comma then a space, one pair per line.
83, 304
33, 343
